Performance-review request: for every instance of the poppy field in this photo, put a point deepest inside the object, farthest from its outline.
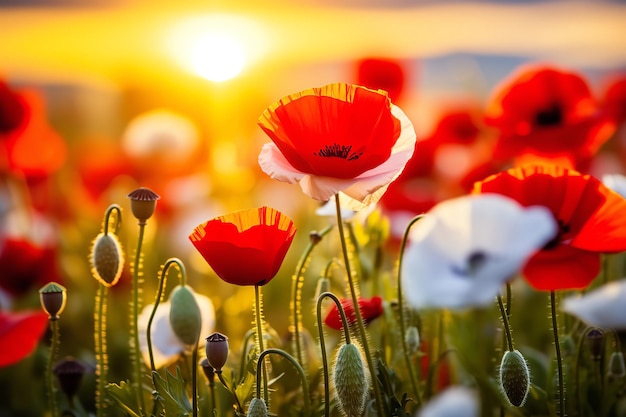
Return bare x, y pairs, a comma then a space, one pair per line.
477, 270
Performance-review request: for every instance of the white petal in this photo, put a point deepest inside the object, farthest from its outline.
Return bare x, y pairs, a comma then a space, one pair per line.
455, 401
274, 164
615, 182
464, 249
603, 307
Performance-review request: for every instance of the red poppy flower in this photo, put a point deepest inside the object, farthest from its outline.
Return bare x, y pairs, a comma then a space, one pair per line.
12, 109
370, 309
547, 113
590, 218
614, 100
337, 138
382, 74
246, 247
19, 334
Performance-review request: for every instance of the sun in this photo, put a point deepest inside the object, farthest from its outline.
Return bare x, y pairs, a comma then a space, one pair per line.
218, 57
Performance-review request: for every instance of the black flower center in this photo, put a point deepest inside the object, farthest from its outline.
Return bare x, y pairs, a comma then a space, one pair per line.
563, 229
551, 116
473, 263
338, 151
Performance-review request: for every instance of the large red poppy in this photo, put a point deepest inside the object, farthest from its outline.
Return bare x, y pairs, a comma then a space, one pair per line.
246, 247
547, 113
370, 308
590, 218
19, 334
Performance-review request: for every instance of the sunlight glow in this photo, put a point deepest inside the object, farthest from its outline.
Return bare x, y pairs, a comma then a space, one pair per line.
218, 57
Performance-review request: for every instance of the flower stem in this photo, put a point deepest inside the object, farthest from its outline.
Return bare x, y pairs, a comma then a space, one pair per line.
194, 381
101, 347
258, 316
240, 410
52, 401
305, 385
401, 311
357, 310
135, 353
557, 347
505, 323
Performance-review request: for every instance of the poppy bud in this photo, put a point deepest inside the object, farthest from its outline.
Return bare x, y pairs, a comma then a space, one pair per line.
323, 285
315, 237
208, 371
53, 297
185, 316
258, 408
143, 203
217, 351
412, 338
107, 259
350, 379
514, 377
69, 372
617, 369
595, 338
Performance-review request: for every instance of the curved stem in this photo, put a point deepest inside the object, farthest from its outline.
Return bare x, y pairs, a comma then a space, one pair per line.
258, 315
107, 218
357, 311
135, 353
505, 323
557, 347
297, 290
54, 328
305, 385
401, 311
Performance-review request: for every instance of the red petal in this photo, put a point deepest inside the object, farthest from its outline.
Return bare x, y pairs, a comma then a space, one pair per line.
19, 334
370, 309
562, 268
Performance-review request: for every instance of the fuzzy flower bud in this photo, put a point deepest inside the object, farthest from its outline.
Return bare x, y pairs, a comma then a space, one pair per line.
143, 203
53, 297
595, 338
185, 316
217, 351
350, 378
258, 408
617, 369
514, 377
107, 259
412, 338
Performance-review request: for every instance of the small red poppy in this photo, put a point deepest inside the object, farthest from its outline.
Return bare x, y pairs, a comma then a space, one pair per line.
548, 113
19, 334
590, 218
246, 247
382, 74
370, 309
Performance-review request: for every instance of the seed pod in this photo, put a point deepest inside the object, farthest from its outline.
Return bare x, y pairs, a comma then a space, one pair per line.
258, 408
595, 338
208, 371
514, 377
143, 203
350, 379
107, 259
69, 373
217, 351
185, 317
53, 297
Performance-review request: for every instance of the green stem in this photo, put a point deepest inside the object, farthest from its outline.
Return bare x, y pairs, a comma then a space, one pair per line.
240, 410
52, 400
101, 347
505, 323
258, 316
557, 347
357, 311
194, 381
135, 353
244, 354
107, 218
305, 385
297, 291
401, 312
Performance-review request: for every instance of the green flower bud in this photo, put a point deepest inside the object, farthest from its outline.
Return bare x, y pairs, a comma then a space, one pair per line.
412, 338
185, 316
53, 297
350, 378
617, 369
217, 351
514, 377
258, 408
107, 259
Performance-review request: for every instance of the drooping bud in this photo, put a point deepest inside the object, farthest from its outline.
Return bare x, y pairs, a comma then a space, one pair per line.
53, 297
595, 338
617, 368
185, 317
69, 372
217, 351
107, 259
514, 377
258, 408
412, 338
143, 203
350, 378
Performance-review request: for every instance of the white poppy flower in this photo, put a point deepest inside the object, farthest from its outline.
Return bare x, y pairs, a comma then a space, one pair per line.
166, 347
615, 182
455, 401
464, 249
603, 307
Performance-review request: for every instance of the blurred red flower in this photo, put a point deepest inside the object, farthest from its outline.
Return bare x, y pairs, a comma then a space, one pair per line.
590, 218
339, 138
614, 99
12, 109
382, 74
370, 308
547, 113
19, 334
246, 247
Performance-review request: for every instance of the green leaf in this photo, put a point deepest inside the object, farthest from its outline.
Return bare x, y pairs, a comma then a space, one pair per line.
172, 394
123, 396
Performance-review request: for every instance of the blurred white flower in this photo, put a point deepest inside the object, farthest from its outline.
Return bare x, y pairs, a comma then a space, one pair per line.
165, 345
615, 182
455, 401
603, 307
465, 248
